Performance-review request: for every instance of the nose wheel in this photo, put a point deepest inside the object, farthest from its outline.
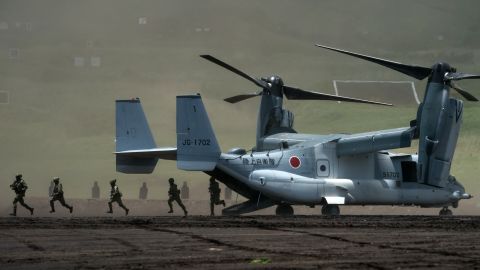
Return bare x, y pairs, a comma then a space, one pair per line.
330, 210
284, 210
445, 212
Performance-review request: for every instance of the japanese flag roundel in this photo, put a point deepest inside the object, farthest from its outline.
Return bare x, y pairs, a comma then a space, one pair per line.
295, 162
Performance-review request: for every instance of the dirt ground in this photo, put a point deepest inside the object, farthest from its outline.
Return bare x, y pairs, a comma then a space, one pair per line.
267, 242
94, 207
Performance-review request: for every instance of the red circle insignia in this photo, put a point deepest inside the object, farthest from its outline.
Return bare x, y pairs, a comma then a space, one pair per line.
295, 162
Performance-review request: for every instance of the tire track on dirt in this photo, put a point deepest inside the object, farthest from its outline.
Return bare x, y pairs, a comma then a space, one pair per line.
129, 245
250, 248
26, 242
269, 227
132, 247
379, 245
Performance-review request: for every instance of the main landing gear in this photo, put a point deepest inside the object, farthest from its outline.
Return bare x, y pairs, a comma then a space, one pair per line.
445, 212
284, 210
330, 210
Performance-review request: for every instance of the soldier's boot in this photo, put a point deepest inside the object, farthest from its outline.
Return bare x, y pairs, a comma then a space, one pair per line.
14, 213
212, 210
52, 206
31, 210
185, 213
171, 207
110, 211
222, 202
70, 208
120, 203
67, 206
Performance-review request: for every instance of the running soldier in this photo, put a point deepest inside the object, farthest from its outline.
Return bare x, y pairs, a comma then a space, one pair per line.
57, 195
174, 195
116, 196
20, 187
214, 190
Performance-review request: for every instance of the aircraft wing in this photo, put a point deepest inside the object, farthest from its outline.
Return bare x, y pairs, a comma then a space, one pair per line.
375, 141
167, 153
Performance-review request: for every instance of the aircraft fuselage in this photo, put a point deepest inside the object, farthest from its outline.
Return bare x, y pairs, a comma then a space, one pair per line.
311, 173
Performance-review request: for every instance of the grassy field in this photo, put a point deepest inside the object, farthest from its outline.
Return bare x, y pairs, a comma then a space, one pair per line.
60, 118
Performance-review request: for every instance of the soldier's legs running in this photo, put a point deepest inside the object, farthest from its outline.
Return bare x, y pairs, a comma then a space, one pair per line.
212, 209
62, 201
179, 201
20, 200
52, 206
170, 200
218, 201
14, 213
110, 211
120, 203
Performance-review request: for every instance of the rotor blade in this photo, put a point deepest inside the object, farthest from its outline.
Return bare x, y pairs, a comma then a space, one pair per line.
242, 97
462, 92
257, 82
456, 76
299, 94
417, 72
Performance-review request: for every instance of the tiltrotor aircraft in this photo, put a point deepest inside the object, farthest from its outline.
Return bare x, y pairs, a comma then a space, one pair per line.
287, 168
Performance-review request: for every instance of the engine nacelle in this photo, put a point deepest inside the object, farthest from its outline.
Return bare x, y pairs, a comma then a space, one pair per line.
443, 151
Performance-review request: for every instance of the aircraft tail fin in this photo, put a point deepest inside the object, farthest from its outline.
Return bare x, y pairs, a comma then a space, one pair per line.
133, 135
197, 146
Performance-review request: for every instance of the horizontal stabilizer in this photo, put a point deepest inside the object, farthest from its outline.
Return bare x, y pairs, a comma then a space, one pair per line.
167, 153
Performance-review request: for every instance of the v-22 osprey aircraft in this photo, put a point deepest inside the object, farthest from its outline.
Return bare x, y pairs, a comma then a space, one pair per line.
287, 168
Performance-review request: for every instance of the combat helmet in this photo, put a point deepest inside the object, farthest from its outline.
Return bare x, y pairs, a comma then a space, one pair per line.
113, 182
18, 176
170, 180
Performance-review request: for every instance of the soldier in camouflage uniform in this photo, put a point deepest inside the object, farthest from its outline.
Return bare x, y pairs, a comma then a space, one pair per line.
174, 195
57, 195
20, 187
116, 196
214, 190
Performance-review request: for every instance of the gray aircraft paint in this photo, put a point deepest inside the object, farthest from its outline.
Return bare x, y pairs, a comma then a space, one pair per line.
440, 124
362, 175
287, 168
132, 133
197, 147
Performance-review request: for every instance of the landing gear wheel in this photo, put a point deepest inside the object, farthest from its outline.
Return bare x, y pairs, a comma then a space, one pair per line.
445, 212
284, 210
330, 210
